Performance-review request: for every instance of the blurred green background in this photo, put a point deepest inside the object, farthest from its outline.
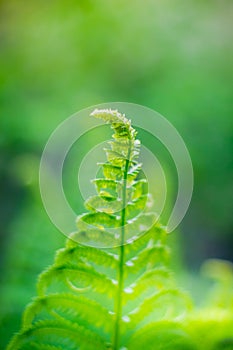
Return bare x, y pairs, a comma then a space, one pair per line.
58, 57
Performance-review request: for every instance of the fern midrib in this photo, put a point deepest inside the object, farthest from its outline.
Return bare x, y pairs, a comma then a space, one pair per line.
121, 262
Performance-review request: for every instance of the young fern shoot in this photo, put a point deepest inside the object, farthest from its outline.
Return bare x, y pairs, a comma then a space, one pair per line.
123, 154
109, 288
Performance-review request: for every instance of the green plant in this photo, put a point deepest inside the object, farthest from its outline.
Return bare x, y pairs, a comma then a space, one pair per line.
110, 287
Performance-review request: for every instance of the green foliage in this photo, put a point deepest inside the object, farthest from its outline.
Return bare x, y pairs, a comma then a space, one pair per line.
60, 57
110, 287
105, 296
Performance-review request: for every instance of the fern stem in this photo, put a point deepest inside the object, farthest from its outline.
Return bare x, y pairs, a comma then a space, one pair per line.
121, 263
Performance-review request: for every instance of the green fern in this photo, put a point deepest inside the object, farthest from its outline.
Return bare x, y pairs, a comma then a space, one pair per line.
119, 294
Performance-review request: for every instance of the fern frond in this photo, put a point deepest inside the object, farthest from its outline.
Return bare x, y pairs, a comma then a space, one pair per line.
111, 280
